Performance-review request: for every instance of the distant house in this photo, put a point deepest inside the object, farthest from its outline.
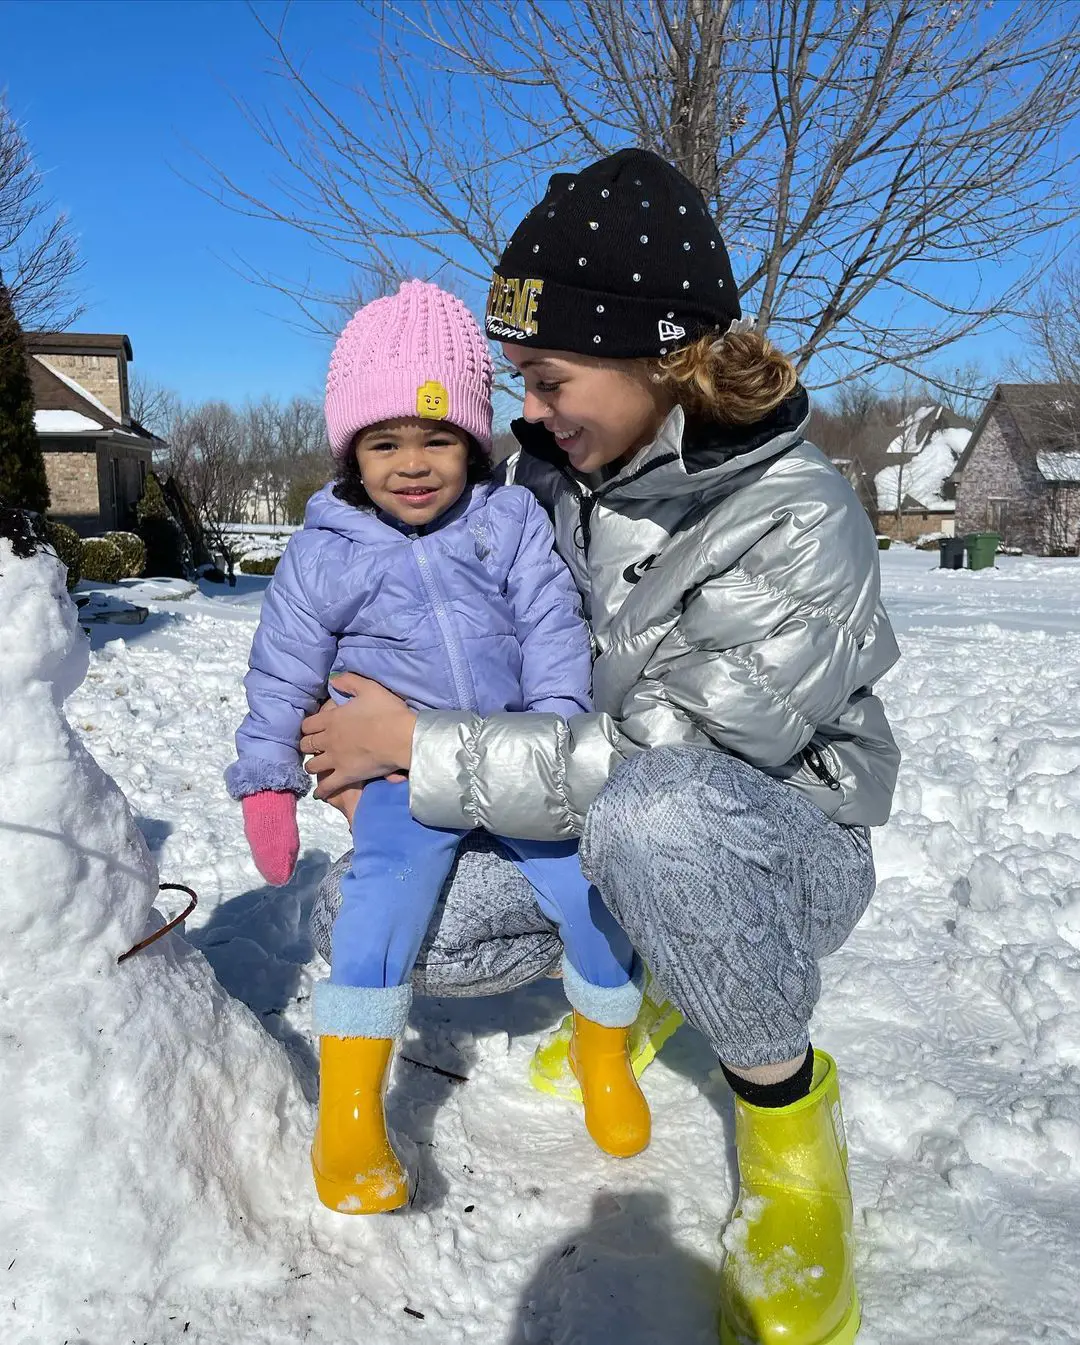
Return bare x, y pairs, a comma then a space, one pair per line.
96, 456
1020, 474
911, 497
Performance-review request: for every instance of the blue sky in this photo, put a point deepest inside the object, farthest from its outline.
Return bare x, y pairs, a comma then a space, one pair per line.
119, 99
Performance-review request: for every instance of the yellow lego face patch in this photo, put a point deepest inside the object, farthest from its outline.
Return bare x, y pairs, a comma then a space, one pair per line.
432, 401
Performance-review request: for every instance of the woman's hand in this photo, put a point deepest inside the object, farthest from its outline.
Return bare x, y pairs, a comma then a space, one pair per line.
366, 738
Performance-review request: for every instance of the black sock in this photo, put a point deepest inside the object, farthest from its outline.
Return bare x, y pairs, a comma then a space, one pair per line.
781, 1094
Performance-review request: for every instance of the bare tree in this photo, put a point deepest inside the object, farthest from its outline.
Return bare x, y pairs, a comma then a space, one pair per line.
1055, 323
870, 162
153, 406
39, 258
206, 456
281, 440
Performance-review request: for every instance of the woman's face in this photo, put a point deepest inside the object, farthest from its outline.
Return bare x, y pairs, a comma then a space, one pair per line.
600, 411
411, 468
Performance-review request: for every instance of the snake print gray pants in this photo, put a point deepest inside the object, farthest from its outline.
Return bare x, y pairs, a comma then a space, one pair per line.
730, 885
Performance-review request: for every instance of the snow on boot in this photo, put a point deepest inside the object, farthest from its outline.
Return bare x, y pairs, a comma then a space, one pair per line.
787, 1277
657, 1021
616, 1113
355, 1167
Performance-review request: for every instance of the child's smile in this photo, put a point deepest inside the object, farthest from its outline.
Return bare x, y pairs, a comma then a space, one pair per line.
412, 469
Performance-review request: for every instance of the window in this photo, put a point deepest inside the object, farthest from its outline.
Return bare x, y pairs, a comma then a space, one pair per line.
114, 489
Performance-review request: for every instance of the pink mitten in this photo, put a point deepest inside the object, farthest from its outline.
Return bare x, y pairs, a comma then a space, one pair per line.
270, 828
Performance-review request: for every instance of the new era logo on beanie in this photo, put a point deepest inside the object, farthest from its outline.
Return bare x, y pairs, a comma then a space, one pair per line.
622, 260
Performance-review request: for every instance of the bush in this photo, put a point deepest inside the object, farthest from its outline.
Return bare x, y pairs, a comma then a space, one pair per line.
68, 546
264, 565
152, 504
102, 561
132, 550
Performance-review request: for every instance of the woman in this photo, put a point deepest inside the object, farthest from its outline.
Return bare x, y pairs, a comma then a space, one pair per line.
724, 788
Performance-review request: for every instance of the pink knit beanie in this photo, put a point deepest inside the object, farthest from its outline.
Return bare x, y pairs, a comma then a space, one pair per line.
416, 353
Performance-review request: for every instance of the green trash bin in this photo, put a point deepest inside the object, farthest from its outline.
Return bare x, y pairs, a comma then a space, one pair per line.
982, 550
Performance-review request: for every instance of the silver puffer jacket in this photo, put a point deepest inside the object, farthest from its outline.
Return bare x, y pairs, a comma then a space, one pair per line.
731, 580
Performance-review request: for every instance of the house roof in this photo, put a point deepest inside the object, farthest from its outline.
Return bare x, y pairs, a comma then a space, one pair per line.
62, 406
1047, 416
77, 343
1059, 468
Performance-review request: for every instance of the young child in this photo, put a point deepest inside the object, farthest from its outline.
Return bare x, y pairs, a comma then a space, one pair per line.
413, 568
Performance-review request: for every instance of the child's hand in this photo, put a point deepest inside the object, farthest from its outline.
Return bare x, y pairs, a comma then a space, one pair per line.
345, 800
271, 831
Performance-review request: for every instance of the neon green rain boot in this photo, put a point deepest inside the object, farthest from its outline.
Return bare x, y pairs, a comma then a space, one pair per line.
787, 1277
657, 1020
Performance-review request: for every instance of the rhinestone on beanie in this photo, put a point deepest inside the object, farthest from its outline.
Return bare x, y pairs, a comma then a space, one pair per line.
547, 303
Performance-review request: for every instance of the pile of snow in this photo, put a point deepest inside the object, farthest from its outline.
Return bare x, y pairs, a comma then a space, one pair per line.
930, 457
152, 1134
155, 1181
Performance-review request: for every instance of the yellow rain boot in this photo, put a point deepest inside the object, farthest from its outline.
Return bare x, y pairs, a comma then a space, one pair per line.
616, 1113
355, 1167
787, 1277
657, 1020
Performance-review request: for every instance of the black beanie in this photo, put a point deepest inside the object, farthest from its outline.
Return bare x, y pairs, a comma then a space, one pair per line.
620, 260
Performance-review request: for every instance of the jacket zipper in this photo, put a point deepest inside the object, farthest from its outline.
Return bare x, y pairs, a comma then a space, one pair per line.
450, 640
816, 762
587, 503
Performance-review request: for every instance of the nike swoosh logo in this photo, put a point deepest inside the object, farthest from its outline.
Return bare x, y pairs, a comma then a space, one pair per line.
633, 573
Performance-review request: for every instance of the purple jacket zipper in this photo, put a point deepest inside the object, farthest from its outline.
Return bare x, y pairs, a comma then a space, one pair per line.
453, 646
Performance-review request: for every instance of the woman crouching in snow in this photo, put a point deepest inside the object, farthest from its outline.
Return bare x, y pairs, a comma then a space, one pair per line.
724, 786
414, 568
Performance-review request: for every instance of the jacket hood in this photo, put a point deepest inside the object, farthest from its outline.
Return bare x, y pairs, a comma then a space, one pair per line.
687, 456
324, 510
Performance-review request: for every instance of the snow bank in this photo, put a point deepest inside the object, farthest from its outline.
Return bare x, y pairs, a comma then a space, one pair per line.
150, 1130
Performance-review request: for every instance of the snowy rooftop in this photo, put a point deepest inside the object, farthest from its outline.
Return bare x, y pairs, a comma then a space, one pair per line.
1059, 467
923, 477
63, 422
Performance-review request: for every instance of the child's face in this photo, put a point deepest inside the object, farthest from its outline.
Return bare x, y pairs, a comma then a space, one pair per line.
411, 468
600, 411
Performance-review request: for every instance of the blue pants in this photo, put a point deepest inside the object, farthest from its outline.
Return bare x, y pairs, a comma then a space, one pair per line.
398, 870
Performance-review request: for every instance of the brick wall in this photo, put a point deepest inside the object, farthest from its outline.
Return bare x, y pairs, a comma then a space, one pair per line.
73, 488
914, 525
1062, 521
105, 376
1001, 467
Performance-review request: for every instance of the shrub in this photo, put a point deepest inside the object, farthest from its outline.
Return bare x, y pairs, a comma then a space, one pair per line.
132, 550
264, 565
152, 504
167, 550
102, 561
68, 546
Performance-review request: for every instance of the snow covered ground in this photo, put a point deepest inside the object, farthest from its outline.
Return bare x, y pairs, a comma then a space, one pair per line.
954, 1012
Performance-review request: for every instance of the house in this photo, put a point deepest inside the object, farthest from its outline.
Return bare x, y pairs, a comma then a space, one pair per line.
1020, 474
911, 498
96, 456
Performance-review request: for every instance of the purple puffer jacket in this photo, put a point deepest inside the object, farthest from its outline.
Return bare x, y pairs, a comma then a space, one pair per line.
476, 613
